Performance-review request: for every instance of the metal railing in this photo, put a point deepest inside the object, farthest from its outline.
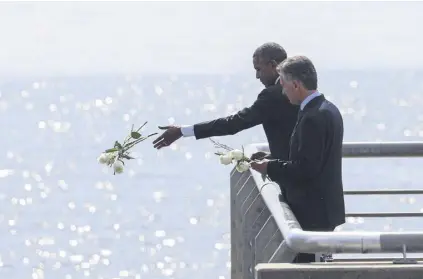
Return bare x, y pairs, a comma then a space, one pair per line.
263, 229
384, 192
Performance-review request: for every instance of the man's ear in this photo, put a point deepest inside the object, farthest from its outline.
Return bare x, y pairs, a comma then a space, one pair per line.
274, 63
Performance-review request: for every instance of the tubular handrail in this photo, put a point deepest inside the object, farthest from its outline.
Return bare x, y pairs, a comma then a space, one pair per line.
384, 214
339, 242
372, 149
385, 192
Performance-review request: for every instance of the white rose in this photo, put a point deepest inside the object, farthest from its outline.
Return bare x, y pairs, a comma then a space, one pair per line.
237, 154
110, 157
118, 167
242, 166
103, 158
225, 159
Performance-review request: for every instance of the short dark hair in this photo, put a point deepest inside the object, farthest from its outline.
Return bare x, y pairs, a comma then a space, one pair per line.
299, 68
271, 51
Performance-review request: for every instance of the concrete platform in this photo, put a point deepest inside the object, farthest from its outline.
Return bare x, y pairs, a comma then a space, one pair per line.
355, 270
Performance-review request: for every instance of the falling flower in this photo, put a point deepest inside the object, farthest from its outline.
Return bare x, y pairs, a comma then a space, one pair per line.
114, 157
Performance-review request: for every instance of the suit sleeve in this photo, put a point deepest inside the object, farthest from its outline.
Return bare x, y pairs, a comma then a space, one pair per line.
310, 155
244, 119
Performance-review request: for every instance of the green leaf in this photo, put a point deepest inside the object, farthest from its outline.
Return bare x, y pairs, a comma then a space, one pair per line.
118, 145
135, 135
111, 150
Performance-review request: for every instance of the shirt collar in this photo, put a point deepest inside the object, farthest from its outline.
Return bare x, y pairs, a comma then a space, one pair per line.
277, 80
309, 98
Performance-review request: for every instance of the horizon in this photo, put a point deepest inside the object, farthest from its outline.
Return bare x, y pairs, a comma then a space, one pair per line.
246, 74
131, 38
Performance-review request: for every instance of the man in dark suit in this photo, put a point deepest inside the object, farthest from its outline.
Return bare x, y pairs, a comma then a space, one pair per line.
312, 176
272, 109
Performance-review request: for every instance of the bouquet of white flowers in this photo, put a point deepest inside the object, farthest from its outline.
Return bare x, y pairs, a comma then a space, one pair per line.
232, 156
243, 163
114, 157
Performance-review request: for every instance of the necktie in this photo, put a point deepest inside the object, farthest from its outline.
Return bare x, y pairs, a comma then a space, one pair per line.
299, 117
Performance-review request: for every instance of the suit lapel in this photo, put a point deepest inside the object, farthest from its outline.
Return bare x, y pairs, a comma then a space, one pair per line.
299, 117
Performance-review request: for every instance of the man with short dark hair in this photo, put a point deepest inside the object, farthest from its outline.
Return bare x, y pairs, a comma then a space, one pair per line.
272, 109
312, 176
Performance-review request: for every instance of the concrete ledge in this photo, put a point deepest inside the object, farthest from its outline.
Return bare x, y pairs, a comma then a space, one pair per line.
356, 270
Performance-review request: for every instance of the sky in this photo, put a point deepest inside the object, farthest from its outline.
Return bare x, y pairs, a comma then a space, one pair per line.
74, 38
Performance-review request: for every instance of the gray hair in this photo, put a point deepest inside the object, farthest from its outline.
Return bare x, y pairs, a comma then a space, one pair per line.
299, 68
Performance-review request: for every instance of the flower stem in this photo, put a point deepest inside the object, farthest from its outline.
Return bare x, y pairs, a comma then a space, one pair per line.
133, 143
142, 126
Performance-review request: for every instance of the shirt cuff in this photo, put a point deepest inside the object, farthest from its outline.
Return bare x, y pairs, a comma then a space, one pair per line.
187, 130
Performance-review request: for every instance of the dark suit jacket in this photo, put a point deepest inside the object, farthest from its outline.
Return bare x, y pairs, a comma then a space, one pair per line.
312, 176
272, 109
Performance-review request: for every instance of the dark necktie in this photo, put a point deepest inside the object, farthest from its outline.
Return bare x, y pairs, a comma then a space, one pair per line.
299, 117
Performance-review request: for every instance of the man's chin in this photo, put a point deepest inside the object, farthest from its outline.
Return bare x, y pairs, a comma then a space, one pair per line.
266, 84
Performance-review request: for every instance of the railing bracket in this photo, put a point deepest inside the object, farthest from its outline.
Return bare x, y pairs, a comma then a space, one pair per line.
326, 258
404, 259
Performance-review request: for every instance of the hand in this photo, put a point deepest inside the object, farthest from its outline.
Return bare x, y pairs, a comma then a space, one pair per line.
172, 134
259, 155
261, 166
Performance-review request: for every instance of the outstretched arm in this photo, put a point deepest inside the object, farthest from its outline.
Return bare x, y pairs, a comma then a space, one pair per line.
244, 119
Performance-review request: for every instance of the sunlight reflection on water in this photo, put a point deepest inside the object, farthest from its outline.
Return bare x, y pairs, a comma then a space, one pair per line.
64, 216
